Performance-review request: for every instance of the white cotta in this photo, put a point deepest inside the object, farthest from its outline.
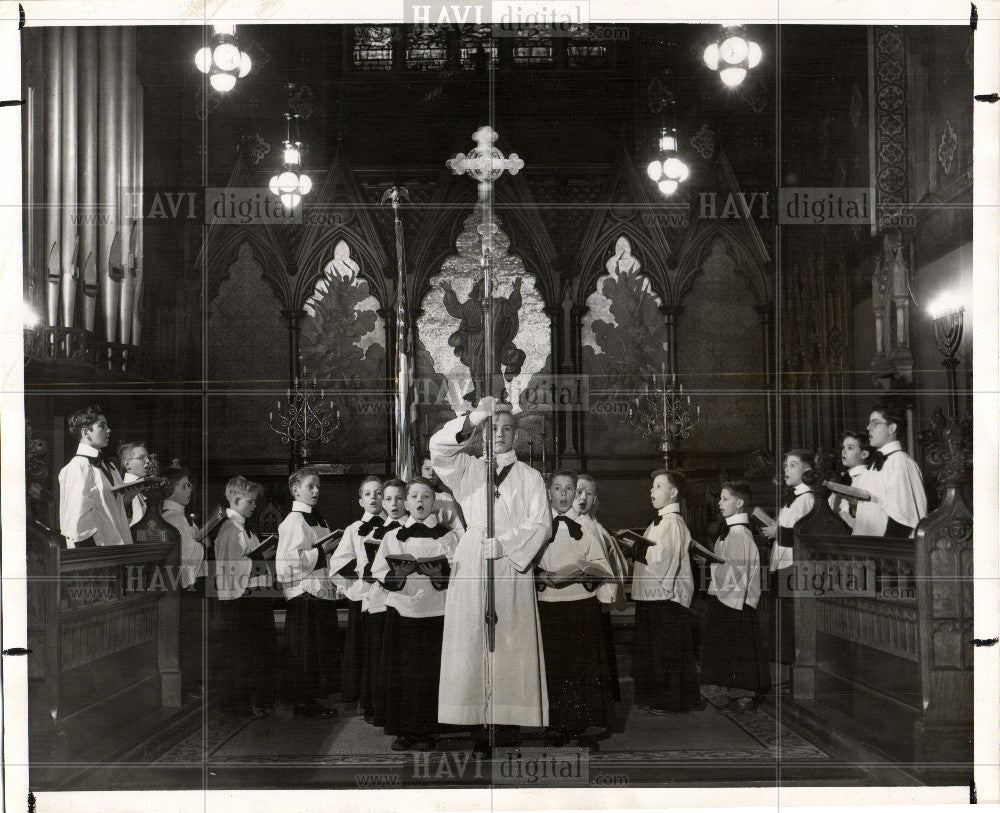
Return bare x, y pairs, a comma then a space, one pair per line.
897, 491
87, 506
507, 687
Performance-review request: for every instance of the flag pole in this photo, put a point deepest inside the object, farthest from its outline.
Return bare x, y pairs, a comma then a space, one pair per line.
404, 360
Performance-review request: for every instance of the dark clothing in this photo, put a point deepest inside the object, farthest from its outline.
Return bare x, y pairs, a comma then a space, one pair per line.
577, 668
781, 624
413, 647
243, 657
733, 652
663, 664
313, 648
354, 655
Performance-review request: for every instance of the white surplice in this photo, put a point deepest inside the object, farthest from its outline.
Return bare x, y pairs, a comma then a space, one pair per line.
897, 491
507, 687
87, 506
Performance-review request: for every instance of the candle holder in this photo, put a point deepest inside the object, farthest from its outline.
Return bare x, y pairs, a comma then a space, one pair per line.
305, 419
664, 414
949, 327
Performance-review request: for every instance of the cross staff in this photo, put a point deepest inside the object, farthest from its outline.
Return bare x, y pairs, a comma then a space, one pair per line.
486, 164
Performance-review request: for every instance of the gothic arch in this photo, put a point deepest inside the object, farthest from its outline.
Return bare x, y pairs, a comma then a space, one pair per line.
747, 264
223, 249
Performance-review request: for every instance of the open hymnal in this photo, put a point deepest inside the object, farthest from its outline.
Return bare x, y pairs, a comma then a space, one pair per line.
267, 548
576, 573
762, 517
436, 568
329, 542
635, 545
217, 516
137, 485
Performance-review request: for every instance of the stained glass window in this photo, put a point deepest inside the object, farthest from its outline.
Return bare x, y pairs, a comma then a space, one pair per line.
474, 38
587, 48
533, 50
373, 47
425, 47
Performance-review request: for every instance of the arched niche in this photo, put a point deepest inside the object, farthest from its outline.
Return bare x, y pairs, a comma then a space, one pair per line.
623, 344
342, 348
247, 346
720, 348
450, 335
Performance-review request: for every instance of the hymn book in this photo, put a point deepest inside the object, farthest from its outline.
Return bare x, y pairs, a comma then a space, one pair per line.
137, 485
635, 546
216, 517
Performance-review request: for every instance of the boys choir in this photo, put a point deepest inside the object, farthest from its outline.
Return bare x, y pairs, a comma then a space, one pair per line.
409, 570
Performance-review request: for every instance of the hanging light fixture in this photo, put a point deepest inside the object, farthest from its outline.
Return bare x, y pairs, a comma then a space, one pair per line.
291, 184
223, 60
732, 55
667, 170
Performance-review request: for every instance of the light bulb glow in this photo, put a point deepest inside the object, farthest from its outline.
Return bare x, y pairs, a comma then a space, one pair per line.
945, 304
755, 55
29, 316
731, 77
245, 64
654, 170
203, 59
668, 142
226, 56
273, 186
288, 181
711, 56
305, 184
290, 200
734, 50
222, 82
226, 29
684, 173
292, 154
667, 187
672, 168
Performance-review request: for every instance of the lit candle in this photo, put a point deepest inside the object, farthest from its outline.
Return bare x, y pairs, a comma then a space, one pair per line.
270, 415
279, 405
698, 412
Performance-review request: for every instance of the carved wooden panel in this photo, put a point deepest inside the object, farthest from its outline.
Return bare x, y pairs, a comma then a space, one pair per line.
86, 640
886, 627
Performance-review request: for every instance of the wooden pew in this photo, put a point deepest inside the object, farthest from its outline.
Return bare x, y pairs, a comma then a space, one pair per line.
103, 634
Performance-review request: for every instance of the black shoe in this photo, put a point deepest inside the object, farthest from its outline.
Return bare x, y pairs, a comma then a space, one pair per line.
659, 711
314, 710
402, 743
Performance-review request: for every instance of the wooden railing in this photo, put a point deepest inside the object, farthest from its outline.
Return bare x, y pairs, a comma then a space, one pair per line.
103, 635
883, 632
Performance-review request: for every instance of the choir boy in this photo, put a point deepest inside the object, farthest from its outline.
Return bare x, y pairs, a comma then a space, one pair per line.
611, 594
854, 454
663, 665
734, 665
346, 569
412, 569
89, 512
136, 463
577, 670
379, 654
244, 646
312, 655
798, 502
898, 500
192, 570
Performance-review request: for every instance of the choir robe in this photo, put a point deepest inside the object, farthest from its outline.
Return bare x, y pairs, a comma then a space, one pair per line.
782, 625
243, 654
840, 504
313, 648
414, 627
577, 667
88, 510
192, 594
898, 500
137, 508
611, 594
522, 526
733, 652
378, 661
346, 567
663, 647
448, 512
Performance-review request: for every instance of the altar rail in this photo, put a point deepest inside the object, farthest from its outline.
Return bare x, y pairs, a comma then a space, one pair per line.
103, 633
884, 643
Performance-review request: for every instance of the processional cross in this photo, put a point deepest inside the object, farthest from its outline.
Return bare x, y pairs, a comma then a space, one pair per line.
486, 164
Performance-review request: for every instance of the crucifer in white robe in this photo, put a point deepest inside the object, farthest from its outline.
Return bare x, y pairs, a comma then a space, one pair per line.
507, 687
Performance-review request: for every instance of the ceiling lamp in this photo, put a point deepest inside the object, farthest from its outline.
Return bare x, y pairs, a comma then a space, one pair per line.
291, 183
222, 59
732, 55
667, 170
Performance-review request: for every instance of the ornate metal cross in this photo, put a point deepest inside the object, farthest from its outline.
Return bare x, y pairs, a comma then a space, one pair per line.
486, 164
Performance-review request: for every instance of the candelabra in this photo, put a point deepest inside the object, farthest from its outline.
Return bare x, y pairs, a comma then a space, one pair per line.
664, 414
305, 420
949, 327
